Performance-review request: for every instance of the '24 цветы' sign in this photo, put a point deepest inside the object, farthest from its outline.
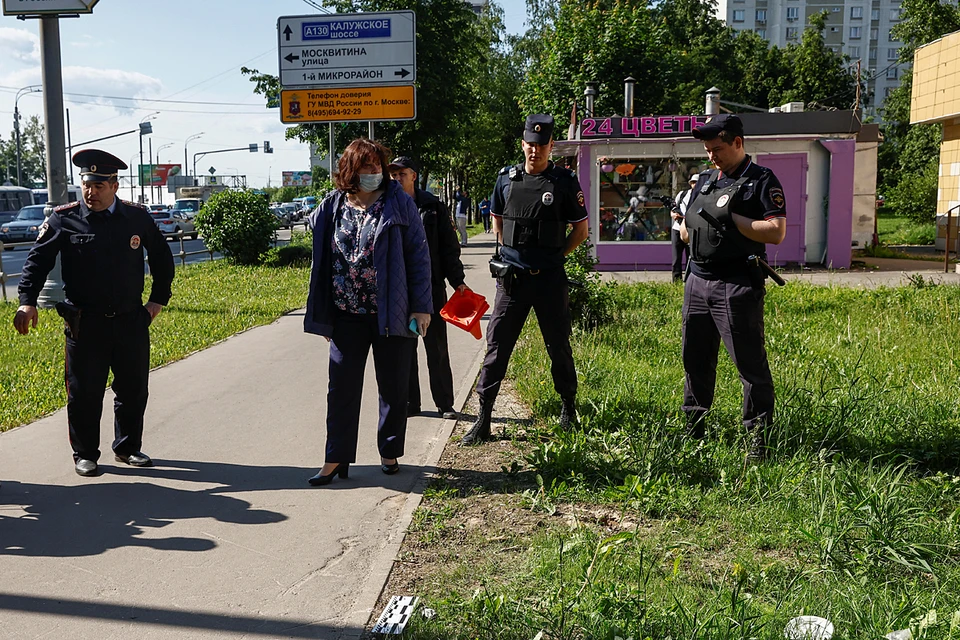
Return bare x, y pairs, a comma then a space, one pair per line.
642, 127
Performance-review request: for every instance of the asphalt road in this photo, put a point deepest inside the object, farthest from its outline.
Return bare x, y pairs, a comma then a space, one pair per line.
12, 261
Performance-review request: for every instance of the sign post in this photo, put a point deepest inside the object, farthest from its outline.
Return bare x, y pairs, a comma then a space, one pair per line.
347, 67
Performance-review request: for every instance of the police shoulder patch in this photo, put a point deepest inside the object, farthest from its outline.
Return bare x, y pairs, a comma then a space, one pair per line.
505, 171
44, 231
580, 198
776, 196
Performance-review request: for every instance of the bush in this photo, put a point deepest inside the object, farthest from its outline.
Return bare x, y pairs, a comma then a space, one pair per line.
238, 224
590, 298
298, 253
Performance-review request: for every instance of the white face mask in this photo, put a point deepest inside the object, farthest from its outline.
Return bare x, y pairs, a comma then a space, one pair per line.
370, 181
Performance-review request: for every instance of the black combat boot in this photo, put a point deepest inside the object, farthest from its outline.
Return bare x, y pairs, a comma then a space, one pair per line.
757, 450
568, 413
480, 431
695, 425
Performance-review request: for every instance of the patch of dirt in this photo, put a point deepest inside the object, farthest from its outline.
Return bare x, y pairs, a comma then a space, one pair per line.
475, 507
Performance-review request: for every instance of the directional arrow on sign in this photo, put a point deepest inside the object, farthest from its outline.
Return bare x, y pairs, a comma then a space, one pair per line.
287, 32
403, 73
290, 57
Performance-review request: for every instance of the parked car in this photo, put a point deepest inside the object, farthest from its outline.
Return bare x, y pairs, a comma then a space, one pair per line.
157, 207
293, 209
283, 216
173, 222
25, 227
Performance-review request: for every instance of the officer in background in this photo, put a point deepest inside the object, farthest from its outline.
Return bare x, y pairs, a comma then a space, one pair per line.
100, 241
724, 292
680, 250
444, 265
533, 203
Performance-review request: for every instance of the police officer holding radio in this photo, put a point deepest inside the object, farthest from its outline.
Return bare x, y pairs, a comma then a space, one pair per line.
100, 241
533, 203
723, 296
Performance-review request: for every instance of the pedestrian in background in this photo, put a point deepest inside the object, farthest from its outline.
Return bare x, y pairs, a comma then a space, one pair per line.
533, 203
485, 213
445, 266
100, 240
680, 250
463, 210
369, 284
724, 291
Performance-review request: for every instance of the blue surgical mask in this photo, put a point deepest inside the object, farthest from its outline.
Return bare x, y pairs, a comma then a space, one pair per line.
369, 182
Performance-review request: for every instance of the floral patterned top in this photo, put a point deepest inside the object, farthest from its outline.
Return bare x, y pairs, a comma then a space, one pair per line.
354, 274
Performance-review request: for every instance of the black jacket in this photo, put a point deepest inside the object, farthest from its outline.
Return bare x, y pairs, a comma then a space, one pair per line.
101, 257
444, 245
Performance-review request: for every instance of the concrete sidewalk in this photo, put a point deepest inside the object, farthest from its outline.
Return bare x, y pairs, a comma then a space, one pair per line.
223, 538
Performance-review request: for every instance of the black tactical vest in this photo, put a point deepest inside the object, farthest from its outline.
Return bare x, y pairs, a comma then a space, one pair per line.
706, 244
531, 212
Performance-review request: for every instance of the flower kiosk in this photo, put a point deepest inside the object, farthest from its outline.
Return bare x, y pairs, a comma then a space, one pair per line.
632, 168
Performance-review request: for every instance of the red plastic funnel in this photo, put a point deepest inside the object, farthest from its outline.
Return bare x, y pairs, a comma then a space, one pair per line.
464, 310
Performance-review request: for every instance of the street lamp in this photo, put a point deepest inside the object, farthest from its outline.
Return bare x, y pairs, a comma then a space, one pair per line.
193, 137
159, 189
33, 88
130, 166
145, 129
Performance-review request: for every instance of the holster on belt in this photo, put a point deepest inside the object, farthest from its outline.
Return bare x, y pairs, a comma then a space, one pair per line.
71, 315
755, 272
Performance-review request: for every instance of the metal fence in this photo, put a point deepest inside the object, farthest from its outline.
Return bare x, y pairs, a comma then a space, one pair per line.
181, 255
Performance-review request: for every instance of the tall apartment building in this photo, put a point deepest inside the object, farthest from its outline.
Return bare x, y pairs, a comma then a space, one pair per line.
858, 28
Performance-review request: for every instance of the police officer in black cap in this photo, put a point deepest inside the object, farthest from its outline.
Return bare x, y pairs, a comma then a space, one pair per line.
445, 265
100, 241
724, 291
533, 203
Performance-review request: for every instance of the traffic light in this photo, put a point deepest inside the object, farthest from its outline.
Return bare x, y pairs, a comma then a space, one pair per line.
266, 147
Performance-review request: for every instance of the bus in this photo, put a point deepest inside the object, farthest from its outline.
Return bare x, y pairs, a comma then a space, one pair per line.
40, 195
306, 203
12, 199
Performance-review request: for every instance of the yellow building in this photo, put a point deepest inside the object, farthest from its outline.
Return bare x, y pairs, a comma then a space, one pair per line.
936, 98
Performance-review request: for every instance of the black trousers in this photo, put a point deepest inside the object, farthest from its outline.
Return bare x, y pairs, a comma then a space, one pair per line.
122, 344
547, 294
680, 251
353, 336
438, 363
732, 311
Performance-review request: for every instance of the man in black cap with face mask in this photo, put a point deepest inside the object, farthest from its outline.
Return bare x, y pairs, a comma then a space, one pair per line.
100, 241
724, 291
445, 266
533, 203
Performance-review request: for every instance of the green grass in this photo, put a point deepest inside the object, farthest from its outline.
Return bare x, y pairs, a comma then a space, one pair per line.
211, 301
856, 517
893, 229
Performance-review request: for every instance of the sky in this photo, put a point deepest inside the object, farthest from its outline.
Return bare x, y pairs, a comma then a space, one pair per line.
176, 63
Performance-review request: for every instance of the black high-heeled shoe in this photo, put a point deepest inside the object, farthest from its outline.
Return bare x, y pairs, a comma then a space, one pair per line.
390, 469
319, 480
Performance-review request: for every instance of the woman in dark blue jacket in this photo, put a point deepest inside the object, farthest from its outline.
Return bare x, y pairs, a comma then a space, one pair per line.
369, 284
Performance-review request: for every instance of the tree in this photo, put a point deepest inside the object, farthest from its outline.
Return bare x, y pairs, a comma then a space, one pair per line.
908, 160
33, 155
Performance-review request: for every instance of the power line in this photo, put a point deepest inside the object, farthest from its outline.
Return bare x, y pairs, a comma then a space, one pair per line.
150, 100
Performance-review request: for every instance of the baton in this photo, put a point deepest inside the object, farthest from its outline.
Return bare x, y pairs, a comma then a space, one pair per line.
713, 222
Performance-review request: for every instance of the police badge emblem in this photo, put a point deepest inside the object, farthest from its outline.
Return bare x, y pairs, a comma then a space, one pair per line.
723, 200
776, 195
134, 242
580, 199
547, 198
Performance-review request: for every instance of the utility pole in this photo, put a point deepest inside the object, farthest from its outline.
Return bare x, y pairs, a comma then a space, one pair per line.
54, 133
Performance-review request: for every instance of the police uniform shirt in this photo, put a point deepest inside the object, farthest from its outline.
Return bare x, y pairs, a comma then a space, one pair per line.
553, 194
760, 198
101, 256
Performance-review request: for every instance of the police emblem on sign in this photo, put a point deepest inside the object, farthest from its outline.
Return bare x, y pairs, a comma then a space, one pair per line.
547, 198
134, 242
723, 200
776, 195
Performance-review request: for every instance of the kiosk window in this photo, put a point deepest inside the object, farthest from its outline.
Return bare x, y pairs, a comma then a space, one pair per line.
636, 195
